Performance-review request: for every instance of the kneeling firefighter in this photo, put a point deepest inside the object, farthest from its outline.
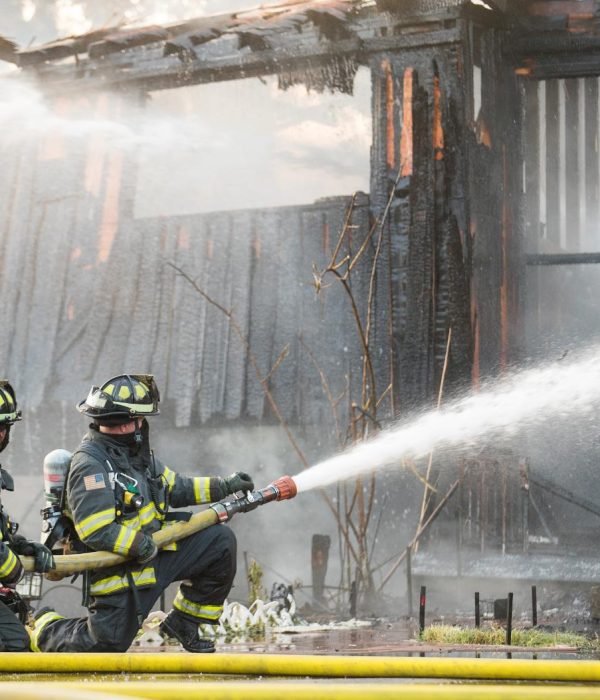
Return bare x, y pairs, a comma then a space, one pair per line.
117, 494
13, 610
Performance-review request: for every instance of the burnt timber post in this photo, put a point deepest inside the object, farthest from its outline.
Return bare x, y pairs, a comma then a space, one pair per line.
444, 160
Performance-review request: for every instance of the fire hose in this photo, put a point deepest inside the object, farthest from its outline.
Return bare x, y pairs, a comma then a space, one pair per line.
282, 489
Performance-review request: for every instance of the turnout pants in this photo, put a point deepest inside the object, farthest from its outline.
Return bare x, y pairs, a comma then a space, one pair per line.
205, 562
13, 635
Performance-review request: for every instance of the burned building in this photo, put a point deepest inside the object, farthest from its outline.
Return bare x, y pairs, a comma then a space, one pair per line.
483, 193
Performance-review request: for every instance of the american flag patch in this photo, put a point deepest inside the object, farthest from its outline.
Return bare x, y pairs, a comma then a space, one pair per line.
94, 481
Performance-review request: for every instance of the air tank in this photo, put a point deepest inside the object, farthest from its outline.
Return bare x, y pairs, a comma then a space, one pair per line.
56, 466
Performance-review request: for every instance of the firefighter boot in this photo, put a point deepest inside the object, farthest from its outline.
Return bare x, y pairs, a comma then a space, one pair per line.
186, 632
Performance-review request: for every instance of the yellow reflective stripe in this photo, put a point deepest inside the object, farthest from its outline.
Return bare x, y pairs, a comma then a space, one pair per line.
9, 416
148, 513
40, 625
202, 489
9, 565
143, 517
94, 522
1, 536
169, 475
209, 612
137, 407
112, 584
124, 540
133, 522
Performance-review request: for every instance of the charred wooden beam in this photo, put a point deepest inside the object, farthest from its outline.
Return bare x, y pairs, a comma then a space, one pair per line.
555, 54
119, 41
8, 50
64, 48
148, 68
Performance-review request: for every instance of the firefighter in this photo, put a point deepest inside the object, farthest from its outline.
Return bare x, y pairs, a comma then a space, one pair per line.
13, 610
117, 494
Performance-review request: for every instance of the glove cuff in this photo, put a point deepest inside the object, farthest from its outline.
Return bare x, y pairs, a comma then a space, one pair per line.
146, 548
18, 544
16, 575
218, 489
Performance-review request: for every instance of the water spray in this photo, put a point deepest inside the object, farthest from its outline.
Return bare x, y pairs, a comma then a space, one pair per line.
282, 489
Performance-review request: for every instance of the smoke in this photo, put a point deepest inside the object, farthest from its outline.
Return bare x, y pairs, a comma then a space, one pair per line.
28, 9
26, 114
70, 18
39, 21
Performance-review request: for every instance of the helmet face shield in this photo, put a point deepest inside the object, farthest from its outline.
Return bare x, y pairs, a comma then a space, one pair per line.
124, 396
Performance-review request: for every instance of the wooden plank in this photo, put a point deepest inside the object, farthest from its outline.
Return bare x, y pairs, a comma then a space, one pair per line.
165, 341
263, 305
533, 228
592, 172
240, 256
189, 321
572, 166
552, 165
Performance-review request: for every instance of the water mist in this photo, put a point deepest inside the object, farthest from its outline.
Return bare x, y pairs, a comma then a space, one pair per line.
527, 397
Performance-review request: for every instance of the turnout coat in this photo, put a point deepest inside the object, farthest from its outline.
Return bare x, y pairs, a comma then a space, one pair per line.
118, 496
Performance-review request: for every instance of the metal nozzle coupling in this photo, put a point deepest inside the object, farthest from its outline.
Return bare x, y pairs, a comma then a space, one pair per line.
280, 490
286, 488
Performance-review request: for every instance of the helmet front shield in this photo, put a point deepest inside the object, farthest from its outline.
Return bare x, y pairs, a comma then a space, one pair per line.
127, 395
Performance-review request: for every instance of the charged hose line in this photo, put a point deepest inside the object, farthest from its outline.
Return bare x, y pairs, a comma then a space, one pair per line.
573, 671
73, 563
308, 690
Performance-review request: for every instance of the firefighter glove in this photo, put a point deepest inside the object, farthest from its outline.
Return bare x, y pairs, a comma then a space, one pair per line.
147, 550
240, 481
43, 558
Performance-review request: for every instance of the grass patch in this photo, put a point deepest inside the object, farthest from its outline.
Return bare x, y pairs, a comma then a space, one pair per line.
447, 634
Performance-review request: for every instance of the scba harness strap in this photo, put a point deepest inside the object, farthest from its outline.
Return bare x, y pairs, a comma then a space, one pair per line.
59, 525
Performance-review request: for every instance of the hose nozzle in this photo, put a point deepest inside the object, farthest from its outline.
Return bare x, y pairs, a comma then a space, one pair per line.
286, 487
280, 490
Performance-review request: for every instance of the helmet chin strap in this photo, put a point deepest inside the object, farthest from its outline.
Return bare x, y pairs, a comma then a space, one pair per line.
137, 435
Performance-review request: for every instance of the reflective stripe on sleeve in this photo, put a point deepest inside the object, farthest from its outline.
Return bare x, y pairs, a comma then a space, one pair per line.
124, 540
202, 489
9, 565
169, 476
93, 523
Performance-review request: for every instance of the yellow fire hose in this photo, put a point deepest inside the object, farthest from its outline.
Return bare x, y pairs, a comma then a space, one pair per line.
266, 690
72, 563
573, 671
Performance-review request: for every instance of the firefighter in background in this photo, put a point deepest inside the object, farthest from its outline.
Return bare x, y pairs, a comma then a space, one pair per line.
117, 494
13, 611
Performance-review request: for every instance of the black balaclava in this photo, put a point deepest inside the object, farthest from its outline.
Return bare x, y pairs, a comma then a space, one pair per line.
4, 442
134, 441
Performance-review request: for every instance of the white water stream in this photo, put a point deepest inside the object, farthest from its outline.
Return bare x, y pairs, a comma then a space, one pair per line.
562, 388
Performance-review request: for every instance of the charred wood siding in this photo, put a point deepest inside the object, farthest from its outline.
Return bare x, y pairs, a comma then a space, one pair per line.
90, 293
